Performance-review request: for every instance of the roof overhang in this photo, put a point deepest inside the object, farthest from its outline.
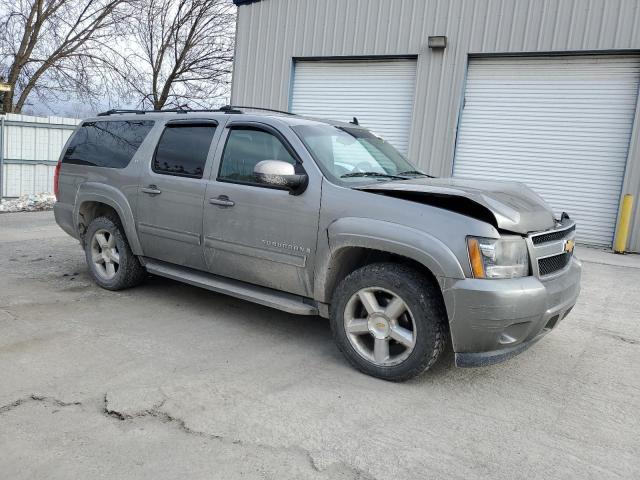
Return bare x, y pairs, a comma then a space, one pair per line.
244, 2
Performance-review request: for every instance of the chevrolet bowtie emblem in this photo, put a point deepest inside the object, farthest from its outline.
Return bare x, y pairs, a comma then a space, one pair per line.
568, 246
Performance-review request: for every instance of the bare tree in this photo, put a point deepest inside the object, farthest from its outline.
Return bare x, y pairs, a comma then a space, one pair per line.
182, 51
58, 47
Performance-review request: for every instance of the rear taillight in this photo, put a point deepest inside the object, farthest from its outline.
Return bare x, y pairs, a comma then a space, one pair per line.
56, 178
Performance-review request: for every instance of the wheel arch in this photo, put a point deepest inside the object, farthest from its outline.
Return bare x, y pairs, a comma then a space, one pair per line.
94, 199
355, 242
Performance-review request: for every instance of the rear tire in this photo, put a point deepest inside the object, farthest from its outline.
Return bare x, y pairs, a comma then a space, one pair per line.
389, 321
111, 262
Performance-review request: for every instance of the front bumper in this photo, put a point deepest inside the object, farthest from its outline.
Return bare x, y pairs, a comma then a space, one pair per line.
494, 320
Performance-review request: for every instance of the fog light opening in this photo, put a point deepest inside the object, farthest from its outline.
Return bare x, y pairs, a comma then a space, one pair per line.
552, 322
506, 339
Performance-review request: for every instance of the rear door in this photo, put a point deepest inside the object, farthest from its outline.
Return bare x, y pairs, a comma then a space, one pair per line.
256, 233
171, 193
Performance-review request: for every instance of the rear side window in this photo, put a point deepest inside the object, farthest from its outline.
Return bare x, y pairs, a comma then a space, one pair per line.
183, 149
245, 148
109, 144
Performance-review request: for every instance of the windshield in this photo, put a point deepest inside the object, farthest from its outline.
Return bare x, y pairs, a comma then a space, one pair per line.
354, 155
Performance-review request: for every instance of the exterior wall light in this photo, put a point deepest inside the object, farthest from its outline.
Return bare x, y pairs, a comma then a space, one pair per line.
438, 42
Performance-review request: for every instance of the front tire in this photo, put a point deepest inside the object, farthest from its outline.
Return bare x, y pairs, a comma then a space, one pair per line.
389, 321
111, 262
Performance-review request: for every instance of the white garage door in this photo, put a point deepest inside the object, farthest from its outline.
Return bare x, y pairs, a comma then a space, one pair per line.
560, 124
379, 93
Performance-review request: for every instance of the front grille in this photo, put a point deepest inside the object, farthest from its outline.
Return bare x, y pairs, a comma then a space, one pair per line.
552, 236
549, 265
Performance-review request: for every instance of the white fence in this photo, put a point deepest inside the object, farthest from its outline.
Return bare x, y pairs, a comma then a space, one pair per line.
30, 147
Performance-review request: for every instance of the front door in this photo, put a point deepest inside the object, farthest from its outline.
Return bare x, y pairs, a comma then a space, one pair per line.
172, 191
256, 233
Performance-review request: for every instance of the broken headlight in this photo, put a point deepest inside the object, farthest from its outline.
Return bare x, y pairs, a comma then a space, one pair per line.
506, 257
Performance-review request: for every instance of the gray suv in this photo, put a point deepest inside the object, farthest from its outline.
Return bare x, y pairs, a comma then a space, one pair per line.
317, 217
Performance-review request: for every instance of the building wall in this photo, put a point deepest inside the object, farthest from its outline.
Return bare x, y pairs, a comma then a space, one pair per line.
272, 32
29, 150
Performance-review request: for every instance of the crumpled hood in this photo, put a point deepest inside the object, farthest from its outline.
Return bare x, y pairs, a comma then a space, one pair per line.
515, 206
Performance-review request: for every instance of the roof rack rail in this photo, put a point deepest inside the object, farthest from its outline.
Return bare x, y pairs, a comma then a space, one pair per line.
225, 109
116, 111
259, 108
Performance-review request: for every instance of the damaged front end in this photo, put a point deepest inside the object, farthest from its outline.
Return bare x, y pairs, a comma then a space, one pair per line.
520, 285
508, 206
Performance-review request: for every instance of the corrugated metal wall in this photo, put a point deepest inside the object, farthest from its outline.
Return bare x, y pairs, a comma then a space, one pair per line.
380, 94
30, 149
272, 32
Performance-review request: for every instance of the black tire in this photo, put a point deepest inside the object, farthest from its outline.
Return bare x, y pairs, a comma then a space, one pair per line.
129, 272
424, 301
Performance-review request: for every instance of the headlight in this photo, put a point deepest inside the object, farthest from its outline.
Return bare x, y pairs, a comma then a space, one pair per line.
506, 257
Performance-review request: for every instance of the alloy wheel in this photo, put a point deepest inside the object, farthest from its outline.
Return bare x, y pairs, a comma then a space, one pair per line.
380, 326
104, 254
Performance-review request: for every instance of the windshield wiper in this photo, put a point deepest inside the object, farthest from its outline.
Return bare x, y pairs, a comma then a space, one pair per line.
372, 174
415, 172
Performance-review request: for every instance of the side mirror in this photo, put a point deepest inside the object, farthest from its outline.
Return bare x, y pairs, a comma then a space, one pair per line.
280, 174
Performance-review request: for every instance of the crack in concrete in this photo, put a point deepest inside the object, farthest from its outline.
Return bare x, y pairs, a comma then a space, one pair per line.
157, 413
618, 336
624, 339
609, 264
36, 398
8, 313
55, 302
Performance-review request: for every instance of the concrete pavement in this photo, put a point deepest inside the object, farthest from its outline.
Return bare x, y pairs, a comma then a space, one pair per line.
170, 381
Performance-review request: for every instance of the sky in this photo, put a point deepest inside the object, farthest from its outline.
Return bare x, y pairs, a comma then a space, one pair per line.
74, 107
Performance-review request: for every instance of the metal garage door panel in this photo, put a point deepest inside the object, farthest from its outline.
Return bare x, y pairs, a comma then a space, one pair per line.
379, 93
562, 125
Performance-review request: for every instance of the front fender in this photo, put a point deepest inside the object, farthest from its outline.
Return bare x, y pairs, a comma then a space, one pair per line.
99, 192
387, 237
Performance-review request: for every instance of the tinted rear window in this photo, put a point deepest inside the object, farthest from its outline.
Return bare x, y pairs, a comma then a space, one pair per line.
107, 144
182, 150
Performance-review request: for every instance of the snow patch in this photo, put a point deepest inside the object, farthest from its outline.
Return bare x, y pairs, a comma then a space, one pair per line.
28, 203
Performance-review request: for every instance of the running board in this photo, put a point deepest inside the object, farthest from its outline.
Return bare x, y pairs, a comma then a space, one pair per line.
264, 296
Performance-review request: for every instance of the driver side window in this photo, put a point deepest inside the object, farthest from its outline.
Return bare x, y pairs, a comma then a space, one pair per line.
246, 147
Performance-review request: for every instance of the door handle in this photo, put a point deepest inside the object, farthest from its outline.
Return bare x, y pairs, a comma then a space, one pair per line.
222, 201
151, 190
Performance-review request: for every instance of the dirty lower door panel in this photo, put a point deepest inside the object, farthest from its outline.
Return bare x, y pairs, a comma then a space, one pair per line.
172, 192
262, 235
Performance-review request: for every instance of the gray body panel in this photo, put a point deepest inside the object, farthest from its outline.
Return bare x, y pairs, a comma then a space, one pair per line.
268, 237
515, 206
426, 234
122, 203
169, 223
286, 251
481, 311
263, 296
116, 187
